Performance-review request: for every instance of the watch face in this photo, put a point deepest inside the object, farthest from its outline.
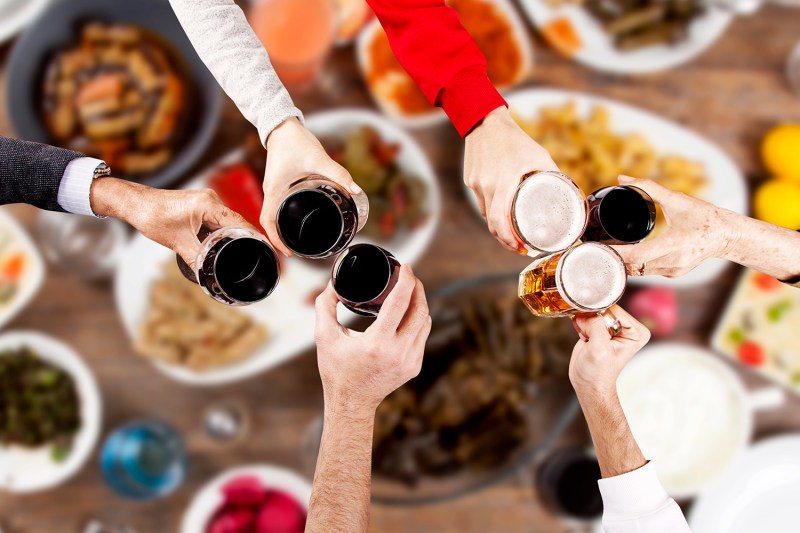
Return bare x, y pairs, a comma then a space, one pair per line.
102, 170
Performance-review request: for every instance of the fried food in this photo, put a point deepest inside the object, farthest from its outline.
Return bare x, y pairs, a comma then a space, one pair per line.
185, 327
117, 95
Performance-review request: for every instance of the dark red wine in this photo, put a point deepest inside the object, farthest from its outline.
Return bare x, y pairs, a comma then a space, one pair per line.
317, 222
246, 270
363, 276
619, 215
567, 482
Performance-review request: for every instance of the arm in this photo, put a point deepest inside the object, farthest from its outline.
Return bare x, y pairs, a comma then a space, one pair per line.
697, 230
358, 370
633, 498
235, 56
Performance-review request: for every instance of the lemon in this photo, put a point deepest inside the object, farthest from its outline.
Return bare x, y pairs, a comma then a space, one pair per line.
780, 151
778, 202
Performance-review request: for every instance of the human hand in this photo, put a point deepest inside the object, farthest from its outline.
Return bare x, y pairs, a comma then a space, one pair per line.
497, 155
598, 358
293, 153
696, 231
359, 370
170, 218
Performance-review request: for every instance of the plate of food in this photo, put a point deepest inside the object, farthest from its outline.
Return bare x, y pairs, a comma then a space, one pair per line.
628, 37
499, 33
16, 14
21, 268
594, 139
114, 80
493, 392
759, 328
50, 412
404, 196
254, 498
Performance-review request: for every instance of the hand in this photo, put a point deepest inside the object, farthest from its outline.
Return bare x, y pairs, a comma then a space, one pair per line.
696, 231
497, 155
598, 358
359, 370
170, 218
293, 153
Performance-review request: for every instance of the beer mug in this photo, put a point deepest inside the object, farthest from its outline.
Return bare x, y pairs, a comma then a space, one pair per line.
363, 276
318, 218
549, 213
622, 214
235, 265
586, 278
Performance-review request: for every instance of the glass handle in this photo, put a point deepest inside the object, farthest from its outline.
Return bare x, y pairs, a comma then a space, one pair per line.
613, 324
362, 208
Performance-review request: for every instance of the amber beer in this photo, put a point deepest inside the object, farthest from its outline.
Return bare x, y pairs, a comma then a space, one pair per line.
549, 213
586, 278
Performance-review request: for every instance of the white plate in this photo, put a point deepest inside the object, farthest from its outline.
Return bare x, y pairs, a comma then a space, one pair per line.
15, 15
26, 470
407, 247
598, 50
34, 268
726, 188
760, 493
437, 116
208, 501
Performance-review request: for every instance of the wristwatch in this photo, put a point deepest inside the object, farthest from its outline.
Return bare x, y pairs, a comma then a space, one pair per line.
102, 170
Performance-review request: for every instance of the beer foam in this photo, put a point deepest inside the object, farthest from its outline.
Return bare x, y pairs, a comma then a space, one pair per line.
549, 212
593, 276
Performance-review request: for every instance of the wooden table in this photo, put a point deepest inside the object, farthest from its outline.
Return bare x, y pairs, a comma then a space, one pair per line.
732, 95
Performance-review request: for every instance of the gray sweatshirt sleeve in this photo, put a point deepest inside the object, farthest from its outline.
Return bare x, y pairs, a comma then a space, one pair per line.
224, 40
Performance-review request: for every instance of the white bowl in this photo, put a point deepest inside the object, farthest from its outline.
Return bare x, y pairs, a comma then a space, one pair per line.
407, 246
209, 500
34, 268
30, 470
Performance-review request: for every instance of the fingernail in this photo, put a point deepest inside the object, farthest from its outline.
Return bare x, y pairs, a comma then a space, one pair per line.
355, 189
625, 179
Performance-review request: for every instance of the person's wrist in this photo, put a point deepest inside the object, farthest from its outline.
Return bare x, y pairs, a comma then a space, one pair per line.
495, 118
727, 232
108, 196
282, 132
596, 391
346, 403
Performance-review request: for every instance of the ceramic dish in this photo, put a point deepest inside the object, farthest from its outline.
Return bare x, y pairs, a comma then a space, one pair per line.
15, 242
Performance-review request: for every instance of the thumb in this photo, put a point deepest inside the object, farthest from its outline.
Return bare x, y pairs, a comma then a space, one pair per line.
187, 247
337, 173
658, 193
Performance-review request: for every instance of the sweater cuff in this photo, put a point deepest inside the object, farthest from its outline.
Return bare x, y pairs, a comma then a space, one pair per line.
637, 493
468, 97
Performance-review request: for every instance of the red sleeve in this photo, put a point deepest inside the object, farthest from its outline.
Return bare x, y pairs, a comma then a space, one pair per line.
437, 52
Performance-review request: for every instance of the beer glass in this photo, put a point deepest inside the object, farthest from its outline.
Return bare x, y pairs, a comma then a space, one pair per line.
586, 278
318, 218
548, 214
235, 266
363, 276
620, 215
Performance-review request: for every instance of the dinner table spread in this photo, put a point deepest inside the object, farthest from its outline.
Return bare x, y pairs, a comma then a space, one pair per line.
731, 94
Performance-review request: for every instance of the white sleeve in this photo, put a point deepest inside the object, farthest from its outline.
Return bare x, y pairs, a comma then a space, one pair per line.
637, 503
224, 40
76, 185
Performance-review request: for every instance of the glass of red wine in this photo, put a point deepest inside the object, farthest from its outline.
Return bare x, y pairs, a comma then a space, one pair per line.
363, 276
235, 266
567, 483
620, 215
318, 218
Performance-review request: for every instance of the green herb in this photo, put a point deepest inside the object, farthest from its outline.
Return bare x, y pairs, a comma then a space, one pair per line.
796, 378
776, 311
736, 336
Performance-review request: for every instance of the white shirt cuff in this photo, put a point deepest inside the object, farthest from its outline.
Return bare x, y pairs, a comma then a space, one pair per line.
76, 185
634, 494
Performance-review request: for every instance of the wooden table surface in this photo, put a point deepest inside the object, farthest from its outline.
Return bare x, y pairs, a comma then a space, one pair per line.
732, 95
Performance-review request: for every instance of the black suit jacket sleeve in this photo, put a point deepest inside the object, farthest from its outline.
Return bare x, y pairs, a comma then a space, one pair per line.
30, 173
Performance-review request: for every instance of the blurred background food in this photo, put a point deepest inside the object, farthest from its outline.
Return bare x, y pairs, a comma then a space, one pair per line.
433, 446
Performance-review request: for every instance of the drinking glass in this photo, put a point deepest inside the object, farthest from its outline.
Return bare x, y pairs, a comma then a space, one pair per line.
363, 276
235, 266
622, 214
318, 218
298, 35
144, 460
549, 213
586, 278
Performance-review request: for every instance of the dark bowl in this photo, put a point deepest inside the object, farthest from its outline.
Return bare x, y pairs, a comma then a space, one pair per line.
58, 27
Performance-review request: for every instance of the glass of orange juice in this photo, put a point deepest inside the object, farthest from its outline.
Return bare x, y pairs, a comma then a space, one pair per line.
298, 35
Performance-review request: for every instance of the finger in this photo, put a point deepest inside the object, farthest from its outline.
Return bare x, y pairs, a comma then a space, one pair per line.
481, 202
640, 259
394, 308
417, 350
325, 309
188, 247
416, 315
657, 192
577, 328
632, 329
500, 225
273, 199
336, 172
218, 215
